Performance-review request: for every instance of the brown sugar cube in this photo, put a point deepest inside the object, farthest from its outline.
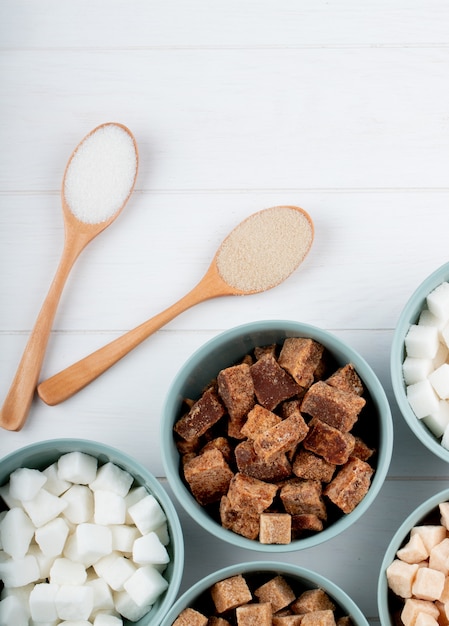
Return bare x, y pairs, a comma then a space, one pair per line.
246, 493
272, 384
290, 407
282, 437
190, 617
307, 522
204, 413
244, 522
208, 476
331, 443
337, 408
277, 592
313, 600
275, 528
303, 496
258, 420
236, 389
308, 465
272, 470
218, 621
261, 351
230, 593
286, 620
346, 379
188, 447
318, 618
254, 614
344, 621
222, 444
350, 485
362, 450
300, 357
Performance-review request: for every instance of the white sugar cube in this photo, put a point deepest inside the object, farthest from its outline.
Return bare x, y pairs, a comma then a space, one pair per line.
127, 607
145, 585
5, 494
74, 602
44, 562
24, 483
21, 593
44, 507
102, 565
102, 594
118, 572
134, 495
422, 398
16, 532
110, 477
102, 619
149, 550
414, 369
163, 534
428, 584
93, 541
67, 572
54, 484
77, 467
438, 301
52, 536
19, 572
422, 341
42, 602
109, 508
437, 421
147, 514
80, 504
426, 318
123, 537
441, 355
439, 379
12, 612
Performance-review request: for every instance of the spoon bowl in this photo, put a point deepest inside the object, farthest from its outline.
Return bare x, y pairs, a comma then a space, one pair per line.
281, 235
78, 232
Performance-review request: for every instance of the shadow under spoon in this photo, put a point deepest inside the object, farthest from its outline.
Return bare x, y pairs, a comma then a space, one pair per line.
97, 183
260, 253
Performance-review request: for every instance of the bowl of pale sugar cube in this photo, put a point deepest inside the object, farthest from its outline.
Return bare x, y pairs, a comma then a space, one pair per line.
413, 586
276, 436
420, 362
266, 593
87, 536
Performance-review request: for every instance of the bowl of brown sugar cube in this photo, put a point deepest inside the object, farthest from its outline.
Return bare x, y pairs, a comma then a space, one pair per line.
276, 436
87, 535
420, 362
413, 586
266, 594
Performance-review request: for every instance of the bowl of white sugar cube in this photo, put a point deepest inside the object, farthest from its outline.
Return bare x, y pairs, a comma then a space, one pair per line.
88, 536
420, 362
413, 586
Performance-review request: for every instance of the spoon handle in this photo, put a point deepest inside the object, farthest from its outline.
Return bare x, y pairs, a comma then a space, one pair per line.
69, 381
18, 401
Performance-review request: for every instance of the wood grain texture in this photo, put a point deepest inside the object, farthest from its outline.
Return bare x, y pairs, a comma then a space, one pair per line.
340, 108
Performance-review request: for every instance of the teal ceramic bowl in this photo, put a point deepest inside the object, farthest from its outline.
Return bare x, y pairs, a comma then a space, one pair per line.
299, 578
227, 349
409, 316
41, 455
388, 604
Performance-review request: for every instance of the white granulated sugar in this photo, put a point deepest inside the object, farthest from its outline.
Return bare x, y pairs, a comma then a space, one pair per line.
101, 174
264, 249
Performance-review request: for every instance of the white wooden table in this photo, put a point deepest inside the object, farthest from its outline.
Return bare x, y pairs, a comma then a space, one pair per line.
339, 107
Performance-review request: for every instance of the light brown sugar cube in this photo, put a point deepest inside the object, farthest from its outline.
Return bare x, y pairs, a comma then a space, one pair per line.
218, 621
190, 617
275, 528
414, 550
439, 557
444, 597
428, 584
424, 619
254, 614
277, 592
286, 620
400, 576
430, 534
319, 618
413, 607
230, 593
444, 512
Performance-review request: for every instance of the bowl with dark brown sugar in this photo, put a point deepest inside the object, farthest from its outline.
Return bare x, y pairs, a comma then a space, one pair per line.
264, 593
276, 436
